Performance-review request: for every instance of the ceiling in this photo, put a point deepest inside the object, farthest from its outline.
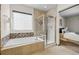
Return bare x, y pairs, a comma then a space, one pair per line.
44, 7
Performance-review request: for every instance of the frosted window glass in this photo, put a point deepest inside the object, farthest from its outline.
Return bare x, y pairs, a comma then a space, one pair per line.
22, 21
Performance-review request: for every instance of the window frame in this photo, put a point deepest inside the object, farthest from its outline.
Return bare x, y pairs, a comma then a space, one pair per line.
20, 31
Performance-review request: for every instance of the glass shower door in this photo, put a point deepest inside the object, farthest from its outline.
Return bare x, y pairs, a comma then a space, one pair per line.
51, 30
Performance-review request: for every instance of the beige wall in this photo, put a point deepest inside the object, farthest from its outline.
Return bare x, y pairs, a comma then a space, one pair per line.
0, 29
0, 21
36, 14
52, 12
73, 23
5, 20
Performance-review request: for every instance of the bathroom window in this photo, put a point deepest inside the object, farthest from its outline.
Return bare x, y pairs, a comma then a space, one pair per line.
22, 21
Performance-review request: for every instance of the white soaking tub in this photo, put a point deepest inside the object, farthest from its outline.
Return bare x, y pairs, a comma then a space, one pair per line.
22, 43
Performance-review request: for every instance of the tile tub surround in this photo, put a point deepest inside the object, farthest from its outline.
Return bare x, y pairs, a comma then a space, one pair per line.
5, 40
21, 35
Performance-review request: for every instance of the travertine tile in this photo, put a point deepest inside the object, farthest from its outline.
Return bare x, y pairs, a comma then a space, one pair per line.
66, 48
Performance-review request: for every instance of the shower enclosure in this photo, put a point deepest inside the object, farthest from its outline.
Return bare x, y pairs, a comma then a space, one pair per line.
46, 28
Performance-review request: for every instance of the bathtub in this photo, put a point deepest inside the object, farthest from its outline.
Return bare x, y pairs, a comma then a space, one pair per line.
25, 45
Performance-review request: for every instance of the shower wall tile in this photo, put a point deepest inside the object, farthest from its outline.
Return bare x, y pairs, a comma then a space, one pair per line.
5, 40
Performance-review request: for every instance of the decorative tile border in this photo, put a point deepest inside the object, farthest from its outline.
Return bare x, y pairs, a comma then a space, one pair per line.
20, 35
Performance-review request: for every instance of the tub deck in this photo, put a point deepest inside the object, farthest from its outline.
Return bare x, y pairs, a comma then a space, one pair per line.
23, 46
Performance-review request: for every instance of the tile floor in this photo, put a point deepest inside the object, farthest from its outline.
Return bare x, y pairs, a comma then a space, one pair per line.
65, 48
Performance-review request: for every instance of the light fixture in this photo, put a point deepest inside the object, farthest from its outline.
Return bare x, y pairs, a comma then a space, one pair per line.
45, 6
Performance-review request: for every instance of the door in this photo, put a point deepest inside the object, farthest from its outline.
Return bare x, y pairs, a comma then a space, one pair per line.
51, 31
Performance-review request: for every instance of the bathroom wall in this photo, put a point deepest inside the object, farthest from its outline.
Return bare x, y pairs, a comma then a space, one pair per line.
5, 22
52, 12
0, 28
37, 13
5, 18
73, 23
